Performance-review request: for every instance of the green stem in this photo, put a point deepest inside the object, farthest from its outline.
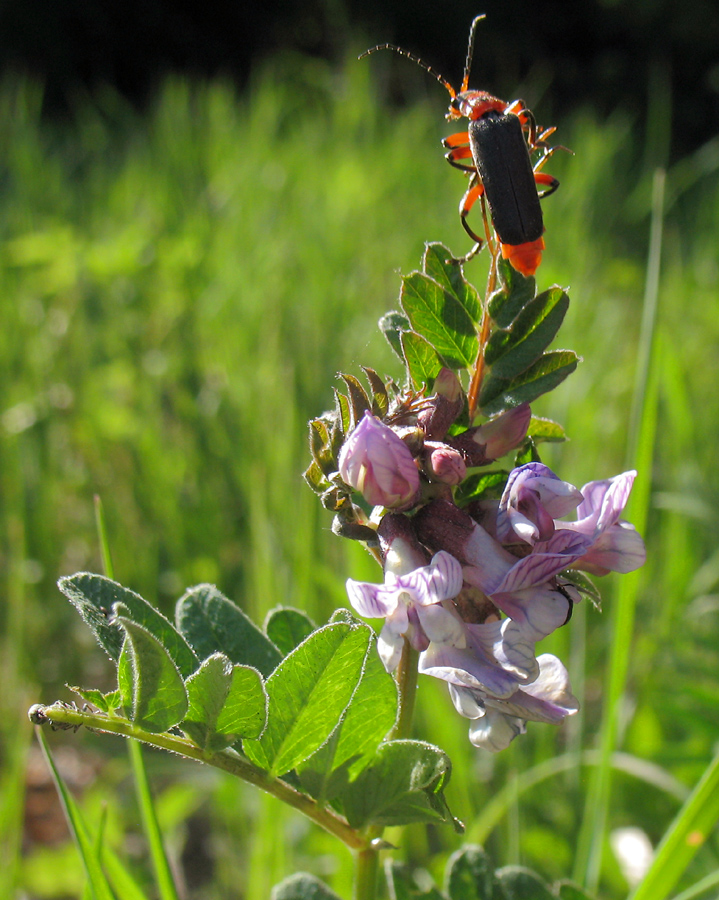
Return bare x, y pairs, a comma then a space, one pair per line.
365, 886
227, 760
407, 685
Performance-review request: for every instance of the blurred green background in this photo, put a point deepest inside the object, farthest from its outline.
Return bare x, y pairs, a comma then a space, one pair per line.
179, 289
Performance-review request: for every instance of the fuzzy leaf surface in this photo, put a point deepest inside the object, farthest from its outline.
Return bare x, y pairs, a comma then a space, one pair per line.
159, 698
516, 291
287, 628
227, 702
550, 370
308, 693
440, 318
403, 784
423, 363
438, 263
392, 325
510, 352
213, 624
367, 720
94, 597
469, 874
302, 886
519, 883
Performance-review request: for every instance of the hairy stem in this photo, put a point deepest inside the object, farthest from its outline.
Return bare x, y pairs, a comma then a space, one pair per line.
62, 716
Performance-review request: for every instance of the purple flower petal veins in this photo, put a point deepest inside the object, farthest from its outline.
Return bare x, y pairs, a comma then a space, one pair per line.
378, 464
411, 606
532, 499
614, 545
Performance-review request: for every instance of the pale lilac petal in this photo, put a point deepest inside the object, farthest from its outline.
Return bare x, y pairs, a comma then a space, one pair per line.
546, 560
439, 624
548, 699
371, 600
389, 647
536, 613
619, 549
495, 731
463, 667
467, 703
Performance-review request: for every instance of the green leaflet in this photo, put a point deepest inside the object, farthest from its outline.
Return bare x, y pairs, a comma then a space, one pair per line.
227, 702
94, 597
308, 693
211, 623
151, 686
440, 318
404, 783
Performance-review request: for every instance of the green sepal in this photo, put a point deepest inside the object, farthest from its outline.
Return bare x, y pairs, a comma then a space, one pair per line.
302, 886
94, 597
550, 370
520, 883
422, 360
440, 318
584, 584
211, 623
469, 874
308, 694
151, 686
439, 264
359, 401
404, 783
379, 395
287, 628
226, 703
509, 352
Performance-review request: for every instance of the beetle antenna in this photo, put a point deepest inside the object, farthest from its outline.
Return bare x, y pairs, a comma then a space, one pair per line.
415, 59
470, 51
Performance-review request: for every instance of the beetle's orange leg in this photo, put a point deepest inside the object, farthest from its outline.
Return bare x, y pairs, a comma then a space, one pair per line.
472, 194
549, 182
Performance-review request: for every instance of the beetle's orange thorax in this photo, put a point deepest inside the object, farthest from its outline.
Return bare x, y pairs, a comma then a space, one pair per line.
474, 104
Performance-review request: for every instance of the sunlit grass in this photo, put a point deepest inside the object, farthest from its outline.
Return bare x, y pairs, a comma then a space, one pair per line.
179, 291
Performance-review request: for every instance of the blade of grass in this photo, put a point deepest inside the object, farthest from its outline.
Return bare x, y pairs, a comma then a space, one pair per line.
501, 803
150, 825
684, 837
640, 451
97, 881
160, 863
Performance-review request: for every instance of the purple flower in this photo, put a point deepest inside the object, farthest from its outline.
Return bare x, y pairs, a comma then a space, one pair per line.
532, 499
411, 603
497, 721
378, 464
614, 545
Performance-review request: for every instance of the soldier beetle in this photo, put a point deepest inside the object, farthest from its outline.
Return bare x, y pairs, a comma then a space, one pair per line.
495, 153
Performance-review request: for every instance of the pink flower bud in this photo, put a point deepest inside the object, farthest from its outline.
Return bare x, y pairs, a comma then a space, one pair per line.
442, 408
504, 432
444, 463
378, 464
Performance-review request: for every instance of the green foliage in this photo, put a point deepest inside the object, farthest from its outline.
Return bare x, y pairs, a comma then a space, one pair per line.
213, 624
302, 886
151, 687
